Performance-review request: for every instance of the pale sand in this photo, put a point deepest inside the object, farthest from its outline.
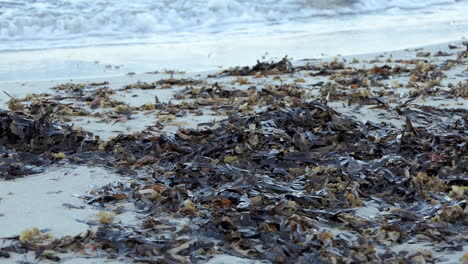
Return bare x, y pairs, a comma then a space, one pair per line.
37, 200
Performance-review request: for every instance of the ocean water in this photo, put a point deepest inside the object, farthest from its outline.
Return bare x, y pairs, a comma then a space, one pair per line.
64, 39
46, 24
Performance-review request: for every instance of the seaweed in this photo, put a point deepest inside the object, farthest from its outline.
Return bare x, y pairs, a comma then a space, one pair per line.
264, 68
283, 178
30, 142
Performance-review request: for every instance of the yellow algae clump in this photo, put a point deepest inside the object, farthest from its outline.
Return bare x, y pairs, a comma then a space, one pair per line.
350, 198
396, 84
14, 104
102, 145
465, 259
421, 67
452, 213
433, 83
149, 106
150, 194
230, 159
123, 109
59, 155
105, 218
326, 237
29, 234
14, 129
353, 200
242, 80
458, 192
292, 205
189, 208
66, 111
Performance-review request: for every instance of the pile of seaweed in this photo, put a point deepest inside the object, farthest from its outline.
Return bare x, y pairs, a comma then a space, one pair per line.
265, 185
281, 184
264, 68
284, 179
29, 142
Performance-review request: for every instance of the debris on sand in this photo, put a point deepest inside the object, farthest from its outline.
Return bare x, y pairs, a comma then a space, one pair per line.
284, 178
31, 142
262, 68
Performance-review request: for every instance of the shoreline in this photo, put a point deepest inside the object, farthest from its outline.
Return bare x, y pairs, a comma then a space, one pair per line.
20, 88
109, 120
196, 56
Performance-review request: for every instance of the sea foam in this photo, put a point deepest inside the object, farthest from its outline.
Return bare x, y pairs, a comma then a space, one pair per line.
37, 24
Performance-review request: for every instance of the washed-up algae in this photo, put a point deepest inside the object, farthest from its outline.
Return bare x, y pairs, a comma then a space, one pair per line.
265, 68
263, 185
28, 142
281, 183
275, 178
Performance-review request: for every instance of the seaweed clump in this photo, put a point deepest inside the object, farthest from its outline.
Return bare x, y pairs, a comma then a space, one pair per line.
284, 178
262, 68
28, 142
272, 185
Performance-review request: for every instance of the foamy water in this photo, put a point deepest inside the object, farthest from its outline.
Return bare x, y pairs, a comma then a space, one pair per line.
45, 24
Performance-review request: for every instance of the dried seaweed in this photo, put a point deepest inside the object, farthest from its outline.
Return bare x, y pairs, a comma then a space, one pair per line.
264, 68
284, 182
30, 142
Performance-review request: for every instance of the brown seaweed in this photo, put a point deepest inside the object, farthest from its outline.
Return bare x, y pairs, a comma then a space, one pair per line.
283, 183
30, 142
264, 68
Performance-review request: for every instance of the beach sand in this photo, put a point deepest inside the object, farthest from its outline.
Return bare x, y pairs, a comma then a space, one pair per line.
37, 200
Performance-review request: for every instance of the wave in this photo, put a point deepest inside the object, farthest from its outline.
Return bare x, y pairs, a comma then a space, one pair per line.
48, 23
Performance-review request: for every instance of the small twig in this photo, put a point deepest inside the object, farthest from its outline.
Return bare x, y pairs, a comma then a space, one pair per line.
8, 95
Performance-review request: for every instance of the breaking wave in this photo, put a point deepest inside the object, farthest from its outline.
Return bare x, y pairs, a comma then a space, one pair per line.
37, 24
